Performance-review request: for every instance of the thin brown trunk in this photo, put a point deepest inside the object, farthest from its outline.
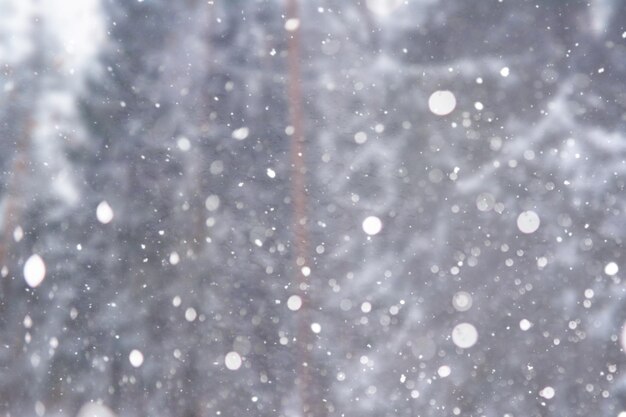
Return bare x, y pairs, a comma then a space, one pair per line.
309, 397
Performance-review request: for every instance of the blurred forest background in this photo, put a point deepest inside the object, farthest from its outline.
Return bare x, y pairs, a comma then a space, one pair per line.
315, 208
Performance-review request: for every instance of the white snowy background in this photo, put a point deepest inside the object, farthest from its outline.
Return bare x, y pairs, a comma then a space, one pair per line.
451, 245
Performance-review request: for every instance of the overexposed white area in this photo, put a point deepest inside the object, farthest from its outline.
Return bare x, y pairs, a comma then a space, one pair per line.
524, 324
135, 358
240, 133
292, 24
16, 26
65, 35
547, 393
464, 335
34, 271
444, 371
61, 40
442, 102
232, 360
78, 29
104, 212
372, 225
294, 303
316, 327
611, 268
528, 222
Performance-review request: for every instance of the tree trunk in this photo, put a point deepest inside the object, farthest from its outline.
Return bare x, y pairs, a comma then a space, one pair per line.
308, 391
